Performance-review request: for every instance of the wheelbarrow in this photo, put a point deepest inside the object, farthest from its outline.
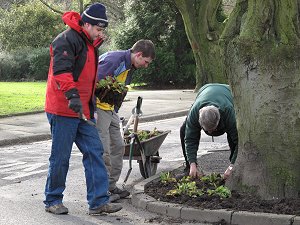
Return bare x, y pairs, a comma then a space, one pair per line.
146, 152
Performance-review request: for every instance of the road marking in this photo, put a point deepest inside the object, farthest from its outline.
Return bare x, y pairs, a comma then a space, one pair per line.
26, 170
23, 174
11, 165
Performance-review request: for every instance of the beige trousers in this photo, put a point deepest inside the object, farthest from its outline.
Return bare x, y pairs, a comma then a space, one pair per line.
114, 147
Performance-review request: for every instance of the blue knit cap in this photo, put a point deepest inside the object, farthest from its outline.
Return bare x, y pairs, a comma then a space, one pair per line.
95, 15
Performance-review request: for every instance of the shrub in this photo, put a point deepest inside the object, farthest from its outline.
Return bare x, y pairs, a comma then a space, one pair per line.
27, 64
39, 61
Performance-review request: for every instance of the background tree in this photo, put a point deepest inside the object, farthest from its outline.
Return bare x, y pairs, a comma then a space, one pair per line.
25, 36
28, 25
204, 23
174, 63
262, 49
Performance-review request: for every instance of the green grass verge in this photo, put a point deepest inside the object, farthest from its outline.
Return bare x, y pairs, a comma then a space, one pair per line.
20, 97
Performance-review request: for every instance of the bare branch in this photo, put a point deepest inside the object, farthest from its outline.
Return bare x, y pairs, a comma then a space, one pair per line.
53, 9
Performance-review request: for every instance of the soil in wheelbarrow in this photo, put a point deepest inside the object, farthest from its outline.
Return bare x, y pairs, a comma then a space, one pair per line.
217, 162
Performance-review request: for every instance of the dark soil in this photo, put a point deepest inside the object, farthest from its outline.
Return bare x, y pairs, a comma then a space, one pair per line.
238, 201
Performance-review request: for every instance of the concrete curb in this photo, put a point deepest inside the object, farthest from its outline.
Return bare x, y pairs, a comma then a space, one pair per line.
25, 140
21, 114
163, 116
141, 200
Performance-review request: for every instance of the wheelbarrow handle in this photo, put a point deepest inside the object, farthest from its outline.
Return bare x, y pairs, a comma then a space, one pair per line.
139, 105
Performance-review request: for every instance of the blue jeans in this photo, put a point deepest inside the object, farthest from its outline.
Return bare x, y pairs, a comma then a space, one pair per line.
65, 131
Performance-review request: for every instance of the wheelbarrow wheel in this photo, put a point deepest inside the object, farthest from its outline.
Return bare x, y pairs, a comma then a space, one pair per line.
150, 167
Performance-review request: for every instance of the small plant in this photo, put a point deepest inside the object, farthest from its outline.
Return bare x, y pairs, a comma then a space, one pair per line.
211, 178
165, 177
221, 191
207, 185
143, 135
185, 186
110, 91
111, 83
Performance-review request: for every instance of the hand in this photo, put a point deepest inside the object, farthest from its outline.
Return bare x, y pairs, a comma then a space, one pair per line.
96, 115
228, 171
194, 171
75, 104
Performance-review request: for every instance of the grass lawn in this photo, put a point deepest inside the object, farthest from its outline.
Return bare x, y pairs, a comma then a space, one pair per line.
20, 97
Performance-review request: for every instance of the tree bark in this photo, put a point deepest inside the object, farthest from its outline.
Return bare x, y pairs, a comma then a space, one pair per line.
203, 31
262, 58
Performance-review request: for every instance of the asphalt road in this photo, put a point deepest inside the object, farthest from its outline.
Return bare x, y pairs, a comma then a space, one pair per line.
23, 170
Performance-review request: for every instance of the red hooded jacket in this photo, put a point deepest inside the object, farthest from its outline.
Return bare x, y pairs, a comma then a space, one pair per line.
73, 65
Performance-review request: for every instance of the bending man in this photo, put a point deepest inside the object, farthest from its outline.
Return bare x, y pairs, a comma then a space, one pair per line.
212, 111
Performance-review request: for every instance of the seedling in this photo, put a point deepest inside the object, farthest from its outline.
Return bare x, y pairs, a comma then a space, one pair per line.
144, 135
111, 83
186, 187
110, 91
209, 184
221, 191
165, 177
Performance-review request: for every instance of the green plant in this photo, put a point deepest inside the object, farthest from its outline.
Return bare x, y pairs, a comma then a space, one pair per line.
186, 186
211, 178
165, 177
145, 134
110, 83
110, 91
209, 185
221, 191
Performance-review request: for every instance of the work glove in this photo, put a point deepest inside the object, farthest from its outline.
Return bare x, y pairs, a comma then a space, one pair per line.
76, 105
228, 171
74, 100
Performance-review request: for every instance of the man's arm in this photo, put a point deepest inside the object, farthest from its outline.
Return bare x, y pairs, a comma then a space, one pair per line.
232, 138
108, 63
192, 140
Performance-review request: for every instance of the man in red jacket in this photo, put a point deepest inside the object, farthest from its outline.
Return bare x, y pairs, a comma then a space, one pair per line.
69, 99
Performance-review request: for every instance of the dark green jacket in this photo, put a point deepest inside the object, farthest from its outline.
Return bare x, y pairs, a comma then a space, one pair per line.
218, 95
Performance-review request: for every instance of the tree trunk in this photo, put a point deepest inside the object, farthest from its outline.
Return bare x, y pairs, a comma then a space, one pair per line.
262, 58
203, 31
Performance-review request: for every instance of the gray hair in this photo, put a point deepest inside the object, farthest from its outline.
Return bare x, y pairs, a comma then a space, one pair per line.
209, 117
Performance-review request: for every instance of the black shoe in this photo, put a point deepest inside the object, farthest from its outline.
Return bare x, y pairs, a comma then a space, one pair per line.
107, 208
185, 173
121, 192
